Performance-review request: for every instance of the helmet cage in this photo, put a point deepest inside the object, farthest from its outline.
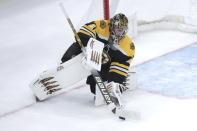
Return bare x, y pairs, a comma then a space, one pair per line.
118, 27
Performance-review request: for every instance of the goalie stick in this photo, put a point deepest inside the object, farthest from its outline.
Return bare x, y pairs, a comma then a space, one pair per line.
108, 99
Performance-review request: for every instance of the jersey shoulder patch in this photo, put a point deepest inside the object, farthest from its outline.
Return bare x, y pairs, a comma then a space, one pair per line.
132, 47
102, 24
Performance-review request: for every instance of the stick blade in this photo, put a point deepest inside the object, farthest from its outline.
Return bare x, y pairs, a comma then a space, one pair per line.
128, 115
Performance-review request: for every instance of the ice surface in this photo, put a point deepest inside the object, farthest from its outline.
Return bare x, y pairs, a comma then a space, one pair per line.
172, 75
34, 36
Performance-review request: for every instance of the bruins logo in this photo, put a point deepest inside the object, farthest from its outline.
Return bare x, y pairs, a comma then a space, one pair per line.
132, 47
102, 24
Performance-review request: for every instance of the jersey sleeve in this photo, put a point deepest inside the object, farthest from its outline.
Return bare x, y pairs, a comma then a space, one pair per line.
86, 32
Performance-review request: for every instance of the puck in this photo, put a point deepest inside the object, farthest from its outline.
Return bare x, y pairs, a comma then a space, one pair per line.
122, 118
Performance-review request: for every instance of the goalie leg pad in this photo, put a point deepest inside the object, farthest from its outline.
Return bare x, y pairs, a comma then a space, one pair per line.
98, 98
59, 79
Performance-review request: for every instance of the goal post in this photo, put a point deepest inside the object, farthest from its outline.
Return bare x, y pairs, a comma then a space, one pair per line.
106, 9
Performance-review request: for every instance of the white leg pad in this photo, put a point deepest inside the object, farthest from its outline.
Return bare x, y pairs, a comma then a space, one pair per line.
132, 81
98, 100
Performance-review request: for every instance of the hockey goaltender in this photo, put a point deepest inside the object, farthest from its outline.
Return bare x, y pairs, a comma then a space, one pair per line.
117, 55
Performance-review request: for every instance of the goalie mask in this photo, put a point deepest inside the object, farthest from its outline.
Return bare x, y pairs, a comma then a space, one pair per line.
118, 27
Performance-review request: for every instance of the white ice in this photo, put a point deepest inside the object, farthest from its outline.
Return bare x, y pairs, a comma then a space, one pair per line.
35, 34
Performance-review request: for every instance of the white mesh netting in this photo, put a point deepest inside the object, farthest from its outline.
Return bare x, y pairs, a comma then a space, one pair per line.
148, 15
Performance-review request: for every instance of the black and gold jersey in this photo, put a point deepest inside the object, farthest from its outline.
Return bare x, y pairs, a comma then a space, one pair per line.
116, 58
96, 29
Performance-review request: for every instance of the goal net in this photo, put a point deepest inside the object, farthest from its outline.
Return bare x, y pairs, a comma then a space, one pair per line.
146, 15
